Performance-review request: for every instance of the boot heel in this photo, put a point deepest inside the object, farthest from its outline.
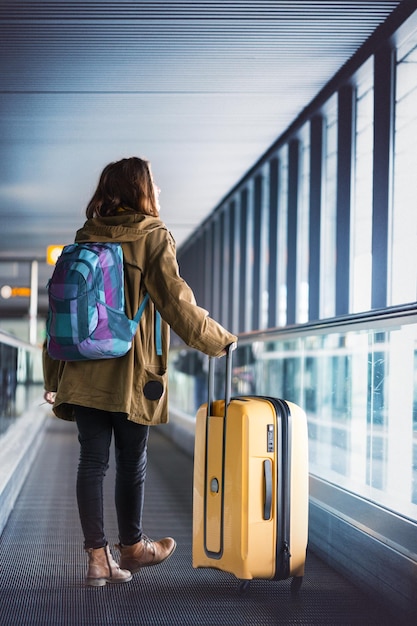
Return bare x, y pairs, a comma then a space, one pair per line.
95, 582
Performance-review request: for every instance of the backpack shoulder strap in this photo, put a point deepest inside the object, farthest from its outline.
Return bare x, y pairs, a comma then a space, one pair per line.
141, 308
158, 329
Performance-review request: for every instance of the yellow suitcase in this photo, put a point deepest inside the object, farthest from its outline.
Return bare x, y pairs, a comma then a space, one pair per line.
250, 500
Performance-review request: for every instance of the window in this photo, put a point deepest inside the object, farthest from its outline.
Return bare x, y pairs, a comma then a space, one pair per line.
264, 251
282, 236
404, 216
328, 213
361, 215
303, 228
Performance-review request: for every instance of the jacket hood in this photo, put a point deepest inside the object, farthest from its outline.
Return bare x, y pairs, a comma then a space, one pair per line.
120, 228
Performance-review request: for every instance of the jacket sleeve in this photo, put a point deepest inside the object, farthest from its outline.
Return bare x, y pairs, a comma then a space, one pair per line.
175, 300
50, 370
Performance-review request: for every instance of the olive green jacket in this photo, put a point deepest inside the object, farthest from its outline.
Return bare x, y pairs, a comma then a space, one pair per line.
118, 384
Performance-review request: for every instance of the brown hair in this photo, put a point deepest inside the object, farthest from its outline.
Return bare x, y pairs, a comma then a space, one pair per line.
126, 184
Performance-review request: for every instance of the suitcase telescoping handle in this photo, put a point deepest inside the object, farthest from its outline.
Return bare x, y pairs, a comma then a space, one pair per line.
228, 381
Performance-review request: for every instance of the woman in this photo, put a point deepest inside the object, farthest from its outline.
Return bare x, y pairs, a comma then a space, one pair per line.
124, 396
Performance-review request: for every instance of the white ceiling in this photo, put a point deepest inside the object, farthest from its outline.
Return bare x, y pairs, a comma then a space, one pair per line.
201, 88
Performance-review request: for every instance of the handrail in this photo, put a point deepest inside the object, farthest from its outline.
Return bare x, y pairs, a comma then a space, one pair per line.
355, 319
11, 340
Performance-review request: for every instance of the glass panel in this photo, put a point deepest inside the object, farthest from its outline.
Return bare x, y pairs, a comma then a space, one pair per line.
216, 268
303, 223
414, 435
225, 266
359, 390
328, 214
264, 252
234, 263
404, 218
282, 236
361, 216
187, 380
248, 302
21, 381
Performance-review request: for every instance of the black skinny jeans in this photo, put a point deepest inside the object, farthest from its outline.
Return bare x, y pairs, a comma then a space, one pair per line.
95, 429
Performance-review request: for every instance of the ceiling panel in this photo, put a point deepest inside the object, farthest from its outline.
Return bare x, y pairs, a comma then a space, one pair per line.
202, 89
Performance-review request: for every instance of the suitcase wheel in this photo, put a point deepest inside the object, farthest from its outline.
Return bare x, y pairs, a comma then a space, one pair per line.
295, 585
296, 582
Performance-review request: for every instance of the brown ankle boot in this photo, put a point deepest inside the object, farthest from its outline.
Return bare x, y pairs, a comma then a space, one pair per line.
145, 552
103, 569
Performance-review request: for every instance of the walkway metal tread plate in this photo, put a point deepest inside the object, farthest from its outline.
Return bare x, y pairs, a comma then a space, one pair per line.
43, 562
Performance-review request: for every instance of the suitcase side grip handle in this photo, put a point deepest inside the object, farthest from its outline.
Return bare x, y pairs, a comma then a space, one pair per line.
268, 488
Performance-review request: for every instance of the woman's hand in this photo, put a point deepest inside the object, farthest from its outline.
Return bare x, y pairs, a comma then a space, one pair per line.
227, 349
49, 396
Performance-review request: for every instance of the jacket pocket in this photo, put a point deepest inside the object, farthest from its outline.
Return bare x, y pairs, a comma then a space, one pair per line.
153, 397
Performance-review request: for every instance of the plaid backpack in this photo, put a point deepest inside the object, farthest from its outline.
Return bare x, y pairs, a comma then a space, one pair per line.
86, 318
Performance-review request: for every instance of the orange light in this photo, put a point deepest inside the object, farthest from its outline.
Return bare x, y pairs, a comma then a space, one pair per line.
21, 291
7, 292
52, 254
